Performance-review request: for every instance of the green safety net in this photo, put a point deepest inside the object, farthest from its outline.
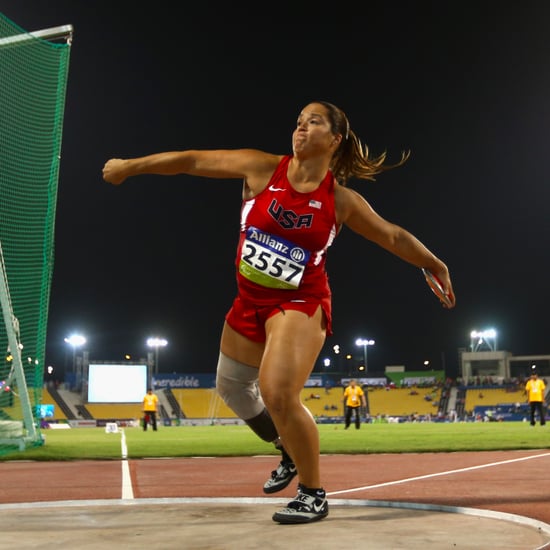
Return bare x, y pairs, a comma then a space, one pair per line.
33, 80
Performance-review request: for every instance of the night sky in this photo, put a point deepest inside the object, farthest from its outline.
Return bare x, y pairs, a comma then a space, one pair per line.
464, 85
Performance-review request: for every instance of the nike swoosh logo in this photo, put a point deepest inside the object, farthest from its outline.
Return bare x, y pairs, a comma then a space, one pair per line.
271, 188
318, 508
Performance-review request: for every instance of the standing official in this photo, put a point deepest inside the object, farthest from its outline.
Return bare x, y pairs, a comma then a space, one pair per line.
150, 405
535, 396
354, 399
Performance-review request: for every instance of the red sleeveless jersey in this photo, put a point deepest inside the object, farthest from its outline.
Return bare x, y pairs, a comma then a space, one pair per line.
283, 241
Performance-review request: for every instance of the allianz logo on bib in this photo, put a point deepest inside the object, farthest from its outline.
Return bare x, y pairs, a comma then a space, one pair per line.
279, 245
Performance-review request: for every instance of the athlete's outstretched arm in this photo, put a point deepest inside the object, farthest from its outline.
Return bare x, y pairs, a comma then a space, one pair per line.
248, 164
357, 214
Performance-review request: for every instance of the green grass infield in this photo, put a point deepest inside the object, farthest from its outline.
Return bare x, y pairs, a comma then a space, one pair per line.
239, 440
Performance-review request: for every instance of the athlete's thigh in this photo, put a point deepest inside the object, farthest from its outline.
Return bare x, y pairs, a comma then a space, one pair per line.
294, 341
240, 348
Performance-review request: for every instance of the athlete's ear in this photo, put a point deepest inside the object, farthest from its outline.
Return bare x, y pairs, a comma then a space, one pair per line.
337, 140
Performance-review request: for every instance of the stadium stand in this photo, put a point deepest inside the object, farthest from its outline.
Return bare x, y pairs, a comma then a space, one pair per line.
62, 411
403, 401
173, 403
115, 411
83, 412
201, 403
491, 396
323, 404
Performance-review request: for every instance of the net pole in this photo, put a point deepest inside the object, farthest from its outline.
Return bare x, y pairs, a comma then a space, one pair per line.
64, 31
15, 351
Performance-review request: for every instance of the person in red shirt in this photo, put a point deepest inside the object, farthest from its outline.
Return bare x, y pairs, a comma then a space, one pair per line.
293, 207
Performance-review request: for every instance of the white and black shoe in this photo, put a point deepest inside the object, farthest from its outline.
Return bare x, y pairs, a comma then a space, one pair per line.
305, 508
280, 478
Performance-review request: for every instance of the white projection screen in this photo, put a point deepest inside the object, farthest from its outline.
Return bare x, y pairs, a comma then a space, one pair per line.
116, 383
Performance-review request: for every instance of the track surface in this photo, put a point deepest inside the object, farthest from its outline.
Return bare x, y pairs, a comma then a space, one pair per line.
509, 488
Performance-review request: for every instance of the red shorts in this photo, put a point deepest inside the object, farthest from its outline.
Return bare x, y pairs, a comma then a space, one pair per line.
249, 320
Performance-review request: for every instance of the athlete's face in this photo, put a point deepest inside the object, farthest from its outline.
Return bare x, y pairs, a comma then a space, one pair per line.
313, 134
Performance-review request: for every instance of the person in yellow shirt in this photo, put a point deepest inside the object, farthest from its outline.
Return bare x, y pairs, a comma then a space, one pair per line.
354, 398
150, 404
535, 397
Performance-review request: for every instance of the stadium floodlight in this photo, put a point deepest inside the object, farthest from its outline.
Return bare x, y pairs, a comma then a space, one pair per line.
75, 341
488, 336
365, 343
157, 343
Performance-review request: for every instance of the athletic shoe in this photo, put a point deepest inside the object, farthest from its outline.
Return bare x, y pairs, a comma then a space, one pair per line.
304, 508
280, 478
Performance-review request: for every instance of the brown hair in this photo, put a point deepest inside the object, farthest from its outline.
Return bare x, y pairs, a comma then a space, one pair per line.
351, 159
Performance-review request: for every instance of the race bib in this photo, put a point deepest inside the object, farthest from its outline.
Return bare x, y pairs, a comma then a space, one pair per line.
272, 261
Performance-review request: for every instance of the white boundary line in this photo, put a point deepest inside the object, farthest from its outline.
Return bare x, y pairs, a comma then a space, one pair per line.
428, 476
127, 489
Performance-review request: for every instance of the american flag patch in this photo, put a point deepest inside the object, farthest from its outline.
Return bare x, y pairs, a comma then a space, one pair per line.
315, 204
